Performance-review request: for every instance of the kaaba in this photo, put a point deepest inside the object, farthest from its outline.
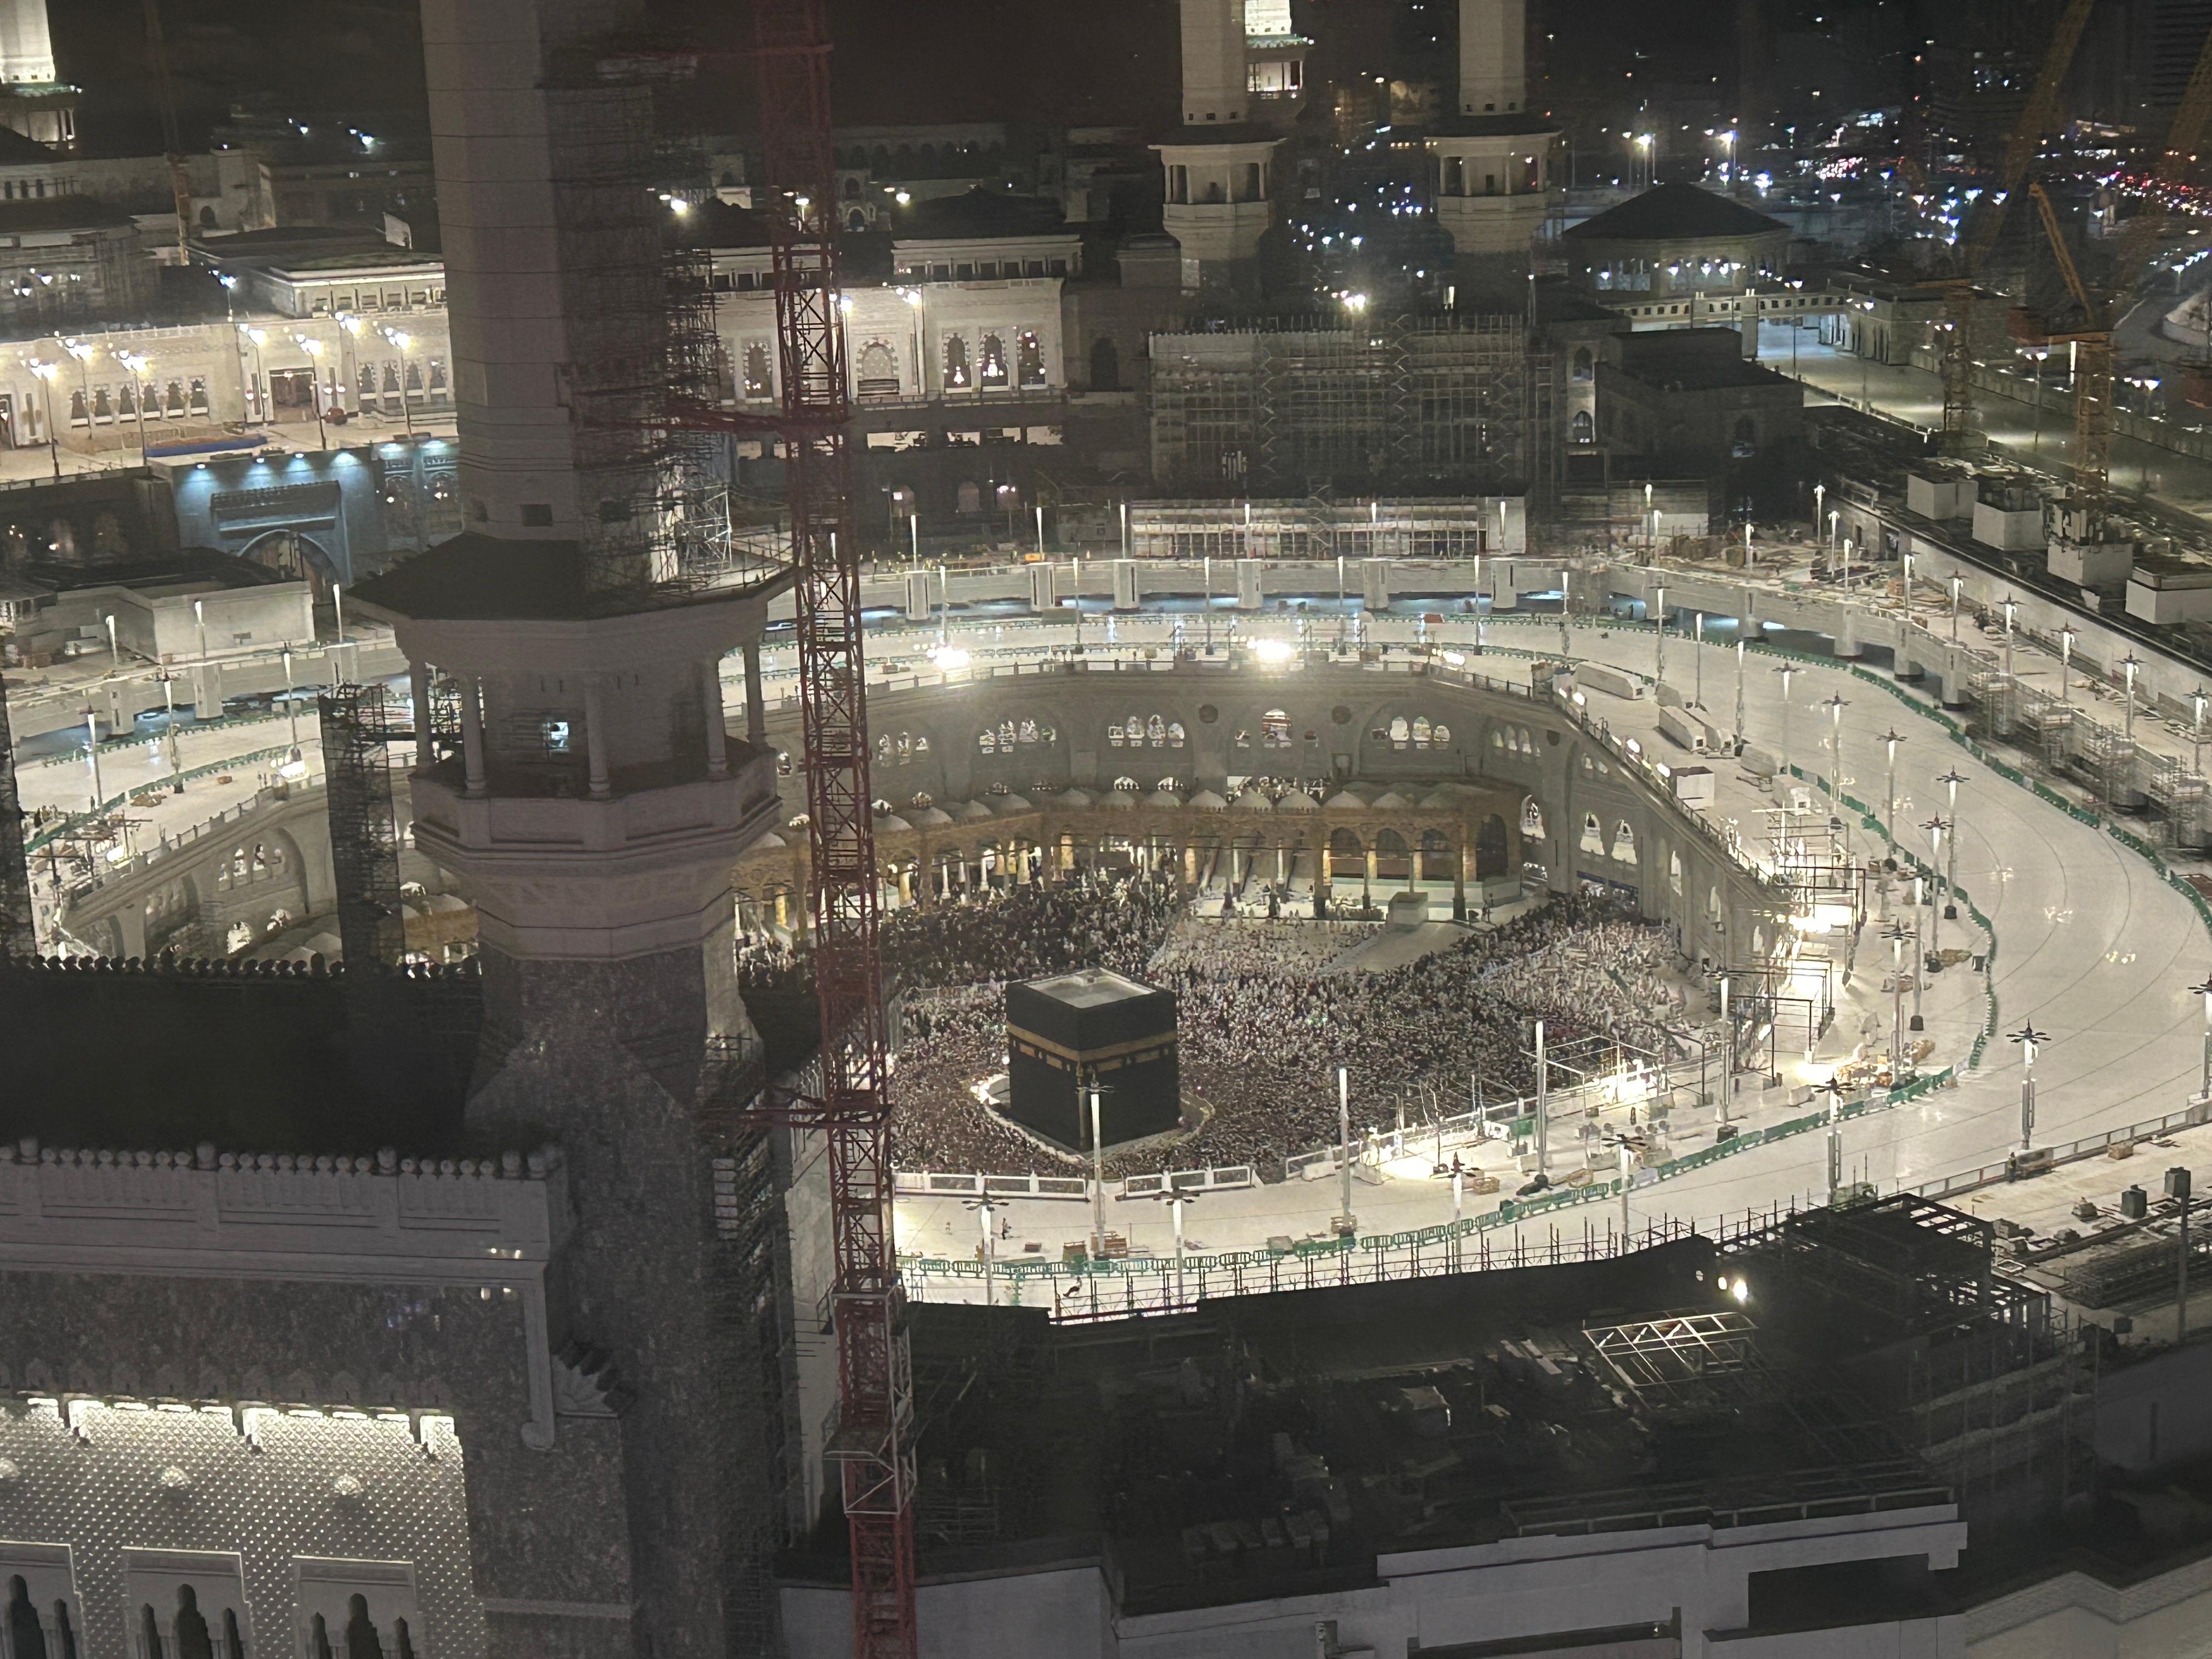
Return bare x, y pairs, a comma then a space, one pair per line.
1065, 1032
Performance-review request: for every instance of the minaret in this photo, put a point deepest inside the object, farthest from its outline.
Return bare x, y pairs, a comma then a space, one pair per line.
1219, 166
1493, 179
552, 249
26, 50
592, 811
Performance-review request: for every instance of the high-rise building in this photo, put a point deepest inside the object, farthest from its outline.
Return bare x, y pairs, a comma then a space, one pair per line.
33, 99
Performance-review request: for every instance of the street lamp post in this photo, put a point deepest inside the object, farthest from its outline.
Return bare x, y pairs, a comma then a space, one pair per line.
2011, 610
2129, 666
1835, 706
1346, 1225
2028, 1037
1893, 738
314, 348
1738, 697
1819, 507
1958, 585
2066, 637
1698, 658
137, 363
1951, 780
1897, 933
2204, 991
1833, 1088
1659, 637
1786, 671
45, 373
1938, 829
403, 341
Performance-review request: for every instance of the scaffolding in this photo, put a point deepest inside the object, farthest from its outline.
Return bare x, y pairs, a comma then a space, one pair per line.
19, 939
359, 723
1309, 407
1318, 528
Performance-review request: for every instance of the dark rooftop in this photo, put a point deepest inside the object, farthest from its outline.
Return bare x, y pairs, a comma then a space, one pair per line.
479, 578
979, 213
1674, 212
1692, 359
64, 213
1276, 1444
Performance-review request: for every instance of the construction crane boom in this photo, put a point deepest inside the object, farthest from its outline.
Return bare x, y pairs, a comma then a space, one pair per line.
1980, 234
2059, 250
173, 145
875, 1402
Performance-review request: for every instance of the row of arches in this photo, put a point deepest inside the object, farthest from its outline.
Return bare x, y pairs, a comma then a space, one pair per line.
1420, 733
1513, 740
1145, 732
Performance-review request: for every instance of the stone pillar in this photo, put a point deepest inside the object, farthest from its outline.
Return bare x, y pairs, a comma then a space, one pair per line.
1459, 881
755, 710
472, 733
718, 735
418, 687
595, 738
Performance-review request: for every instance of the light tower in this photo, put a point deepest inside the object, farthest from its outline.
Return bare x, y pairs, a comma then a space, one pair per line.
1219, 163
1493, 160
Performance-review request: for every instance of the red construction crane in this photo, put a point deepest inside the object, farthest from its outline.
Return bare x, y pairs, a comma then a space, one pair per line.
875, 1397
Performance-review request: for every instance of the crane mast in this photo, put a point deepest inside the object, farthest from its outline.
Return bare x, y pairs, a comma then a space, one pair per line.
875, 1402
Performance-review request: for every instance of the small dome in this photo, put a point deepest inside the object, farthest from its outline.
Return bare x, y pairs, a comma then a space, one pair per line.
1436, 800
1345, 801
1006, 806
1297, 801
1251, 800
891, 821
1076, 798
1206, 801
1391, 802
768, 840
930, 817
1160, 797
1121, 800
969, 811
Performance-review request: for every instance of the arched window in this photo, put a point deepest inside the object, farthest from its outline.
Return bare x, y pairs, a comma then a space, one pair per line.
1420, 731
1747, 436
1675, 870
1624, 842
1156, 732
1584, 428
957, 376
760, 383
1113, 734
1275, 729
1440, 734
1174, 734
1593, 839
1029, 358
1400, 732
1585, 365
991, 362
971, 497
1531, 817
879, 376
988, 741
1497, 738
1029, 731
1006, 736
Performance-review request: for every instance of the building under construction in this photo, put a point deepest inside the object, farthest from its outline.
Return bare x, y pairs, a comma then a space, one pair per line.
1419, 404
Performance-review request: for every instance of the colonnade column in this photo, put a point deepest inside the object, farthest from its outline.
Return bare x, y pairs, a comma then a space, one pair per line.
756, 715
1459, 878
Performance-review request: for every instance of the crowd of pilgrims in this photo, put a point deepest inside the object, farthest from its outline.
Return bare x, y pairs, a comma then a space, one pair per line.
1262, 1021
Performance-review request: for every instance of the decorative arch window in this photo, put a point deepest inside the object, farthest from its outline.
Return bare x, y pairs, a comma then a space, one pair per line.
879, 370
1127, 785
1583, 428
1497, 738
1421, 731
1029, 358
1531, 817
986, 741
760, 381
1585, 365
991, 363
1174, 734
1675, 870
1713, 903
1006, 736
1029, 731
1275, 729
1624, 843
1400, 732
957, 376
1593, 839
1156, 732
1113, 734
921, 744
1440, 734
